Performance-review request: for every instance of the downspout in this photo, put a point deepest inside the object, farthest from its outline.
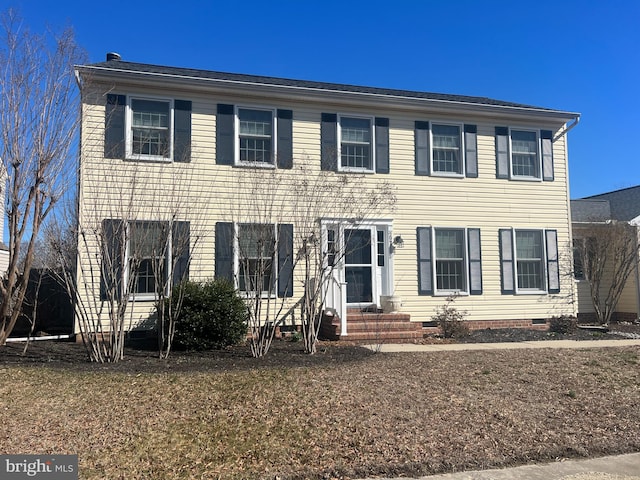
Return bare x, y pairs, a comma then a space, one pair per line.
566, 129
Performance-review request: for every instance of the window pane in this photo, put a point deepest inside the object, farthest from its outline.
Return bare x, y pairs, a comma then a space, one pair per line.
150, 127
529, 252
358, 284
450, 259
357, 247
256, 244
524, 153
356, 142
446, 148
256, 129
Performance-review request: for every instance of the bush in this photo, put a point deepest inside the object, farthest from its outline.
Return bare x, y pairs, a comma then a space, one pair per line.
213, 315
563, 324
451, 320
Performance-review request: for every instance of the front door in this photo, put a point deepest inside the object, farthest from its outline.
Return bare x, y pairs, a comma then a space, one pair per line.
359, 270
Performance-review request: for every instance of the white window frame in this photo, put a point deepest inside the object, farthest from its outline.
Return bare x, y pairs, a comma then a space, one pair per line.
372, 143
274, 136
146, 296
129, 155
545, 286
436, 291
462, 158
526, 178
236, 260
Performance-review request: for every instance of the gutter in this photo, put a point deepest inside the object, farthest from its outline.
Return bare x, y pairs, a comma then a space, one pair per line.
566, 129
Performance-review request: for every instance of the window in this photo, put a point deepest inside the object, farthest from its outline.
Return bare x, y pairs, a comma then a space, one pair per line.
446, 153
450, 260
530, 260
255, 136
256, 257
147, 256
150, 128
578, 267
355, 143
524, 154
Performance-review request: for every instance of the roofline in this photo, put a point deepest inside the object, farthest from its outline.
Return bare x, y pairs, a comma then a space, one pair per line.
120, 72
607, 193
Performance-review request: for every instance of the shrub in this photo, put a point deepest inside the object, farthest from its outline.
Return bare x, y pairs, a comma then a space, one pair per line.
213, 315
563, 324
451, 320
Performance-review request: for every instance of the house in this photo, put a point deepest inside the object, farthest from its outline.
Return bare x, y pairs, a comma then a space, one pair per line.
586, 214
479, 205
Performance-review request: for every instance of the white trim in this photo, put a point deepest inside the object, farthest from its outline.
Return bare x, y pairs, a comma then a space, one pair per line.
128, 129
236, 136
372, 143
462, 150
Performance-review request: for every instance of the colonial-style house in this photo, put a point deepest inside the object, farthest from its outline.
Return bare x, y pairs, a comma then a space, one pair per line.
586, 215
479, 206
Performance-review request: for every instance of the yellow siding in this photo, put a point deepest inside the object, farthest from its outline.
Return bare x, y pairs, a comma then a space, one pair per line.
206, 193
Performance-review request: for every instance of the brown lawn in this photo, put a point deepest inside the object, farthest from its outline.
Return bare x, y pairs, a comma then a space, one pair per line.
345, 414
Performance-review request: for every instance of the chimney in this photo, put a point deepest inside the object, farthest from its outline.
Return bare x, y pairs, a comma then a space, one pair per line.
113, 56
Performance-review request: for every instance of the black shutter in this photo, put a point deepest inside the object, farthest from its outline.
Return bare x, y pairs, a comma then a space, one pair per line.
112, 267
329, 142
475, 262
225, 139
471, 150
224, 250
382, 145
546, 137
285, 260
425, 264
114, 125
180, 254
181, 131
502, 152
553, 269
507, 265
285, 139
422, 148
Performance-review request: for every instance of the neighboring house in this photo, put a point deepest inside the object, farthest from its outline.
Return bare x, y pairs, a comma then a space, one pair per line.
482, 206
620, 205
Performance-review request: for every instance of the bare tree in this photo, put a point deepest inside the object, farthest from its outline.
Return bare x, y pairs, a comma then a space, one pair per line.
277, 217
38, 126
607, 254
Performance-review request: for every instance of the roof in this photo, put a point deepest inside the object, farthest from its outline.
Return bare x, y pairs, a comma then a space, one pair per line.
586, 211
120, 66
624, 203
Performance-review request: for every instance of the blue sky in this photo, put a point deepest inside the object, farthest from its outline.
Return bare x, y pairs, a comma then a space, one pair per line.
576, 55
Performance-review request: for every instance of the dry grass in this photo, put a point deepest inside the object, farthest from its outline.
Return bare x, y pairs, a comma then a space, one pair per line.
382, 414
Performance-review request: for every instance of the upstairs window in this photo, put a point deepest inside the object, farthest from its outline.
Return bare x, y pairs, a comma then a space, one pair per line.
524, 154
255, 136
356, 144
150, 129
446, 153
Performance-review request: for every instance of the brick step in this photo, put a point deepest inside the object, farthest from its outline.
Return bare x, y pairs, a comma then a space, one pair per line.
382, 337
383, 327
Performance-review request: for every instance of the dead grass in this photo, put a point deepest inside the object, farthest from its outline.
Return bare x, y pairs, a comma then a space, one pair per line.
382, 414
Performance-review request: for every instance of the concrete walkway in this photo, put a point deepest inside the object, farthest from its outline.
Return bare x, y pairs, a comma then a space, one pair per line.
441, 347
617, 467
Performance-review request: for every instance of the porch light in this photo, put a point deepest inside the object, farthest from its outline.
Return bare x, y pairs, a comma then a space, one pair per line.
398, 242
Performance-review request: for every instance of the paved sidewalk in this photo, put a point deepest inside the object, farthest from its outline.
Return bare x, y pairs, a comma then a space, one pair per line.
617, 467
409, 347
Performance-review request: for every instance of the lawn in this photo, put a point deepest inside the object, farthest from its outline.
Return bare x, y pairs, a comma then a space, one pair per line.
342, 415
